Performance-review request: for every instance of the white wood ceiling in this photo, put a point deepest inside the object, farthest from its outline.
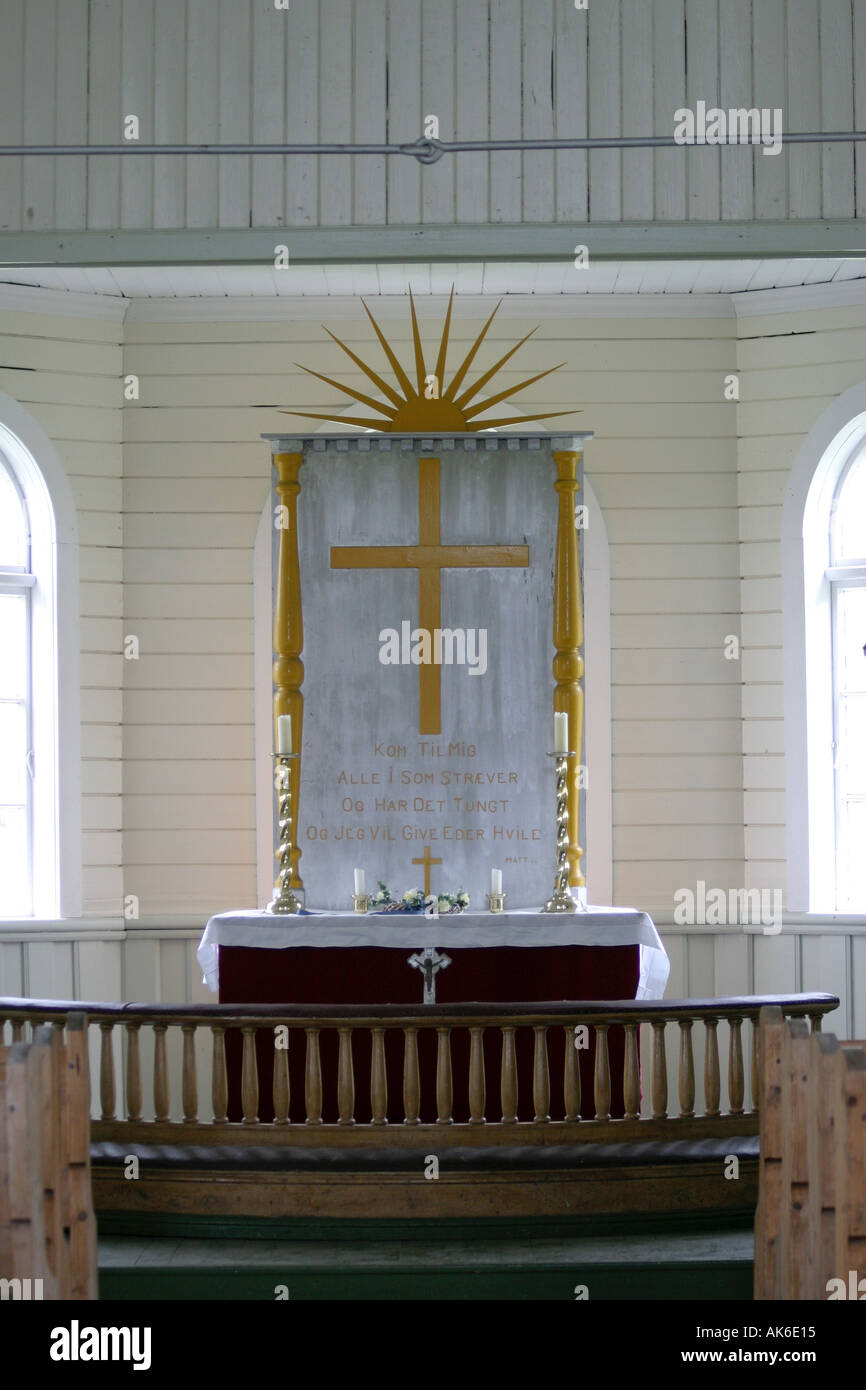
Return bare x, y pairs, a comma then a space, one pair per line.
720, 277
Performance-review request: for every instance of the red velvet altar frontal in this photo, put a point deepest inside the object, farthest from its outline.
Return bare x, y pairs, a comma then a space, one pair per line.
363, 975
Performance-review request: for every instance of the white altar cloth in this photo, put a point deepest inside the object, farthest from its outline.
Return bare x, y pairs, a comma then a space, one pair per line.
597, 926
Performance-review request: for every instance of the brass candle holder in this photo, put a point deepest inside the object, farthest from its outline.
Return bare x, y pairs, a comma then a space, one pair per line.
284, 901
562, 901
361, 901
496, 902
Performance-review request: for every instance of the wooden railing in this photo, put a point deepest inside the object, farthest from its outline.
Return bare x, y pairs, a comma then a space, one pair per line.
435, 1061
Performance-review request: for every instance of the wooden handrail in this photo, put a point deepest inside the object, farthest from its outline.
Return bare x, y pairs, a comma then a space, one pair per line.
543, 1013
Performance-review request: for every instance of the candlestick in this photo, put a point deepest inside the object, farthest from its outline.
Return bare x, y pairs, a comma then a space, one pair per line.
560, 733
496, 901
284, 735
562, 901
284, 900
361, 901
360, 882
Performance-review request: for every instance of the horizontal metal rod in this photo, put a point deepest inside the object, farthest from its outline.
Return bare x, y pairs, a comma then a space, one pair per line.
429, 151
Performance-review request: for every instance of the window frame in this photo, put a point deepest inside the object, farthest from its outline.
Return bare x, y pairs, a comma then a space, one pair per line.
846, 574
55, 628
20, 579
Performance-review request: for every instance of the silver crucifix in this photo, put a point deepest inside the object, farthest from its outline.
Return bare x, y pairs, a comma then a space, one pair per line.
430, 962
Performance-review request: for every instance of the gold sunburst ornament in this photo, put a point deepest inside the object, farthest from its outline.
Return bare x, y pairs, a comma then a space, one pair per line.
428, 406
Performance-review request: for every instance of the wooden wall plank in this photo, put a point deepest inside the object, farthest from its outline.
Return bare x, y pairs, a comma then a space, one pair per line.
404, 75
105, 118
136, 94
235, 62
538, 115
40, 72
837, 106
302, 114
505, 77
169, 113
70, 196
605, 111
335, 111
768, 41
803, 108
859, 68
439, 98
368, 113
202, 113
669, 93
12, 114
703, 167
736, 172
637, 103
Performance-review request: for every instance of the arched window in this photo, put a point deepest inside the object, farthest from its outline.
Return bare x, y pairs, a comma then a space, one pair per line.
824, 631
846, 576
40, 778
16, 703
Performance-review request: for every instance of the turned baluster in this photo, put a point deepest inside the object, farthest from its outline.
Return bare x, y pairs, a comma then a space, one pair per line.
313, 1078
249, 1076
106, 1071
411, 1077
477, 1082
540, 1076
17, 1029
736, 1076
444, 1088
133, 1072
345, 1079
161, 1103
219, 1077
712, 1071
631, 1073
687, 1070
508, 1077
660, 1071
572, 1075
281, 1090
190, 1081
378, 1079
602, 1073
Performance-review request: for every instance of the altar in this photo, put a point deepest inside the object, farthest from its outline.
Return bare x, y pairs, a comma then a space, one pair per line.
343, 958
428, 712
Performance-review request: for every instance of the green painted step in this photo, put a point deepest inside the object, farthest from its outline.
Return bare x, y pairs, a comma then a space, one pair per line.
693, 1265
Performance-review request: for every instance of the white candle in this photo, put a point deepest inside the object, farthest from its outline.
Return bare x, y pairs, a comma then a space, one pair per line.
495, 880
560, 733
360, 883
284, 735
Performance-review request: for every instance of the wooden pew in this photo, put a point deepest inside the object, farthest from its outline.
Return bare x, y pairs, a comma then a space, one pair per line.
47, 1223
810, 1223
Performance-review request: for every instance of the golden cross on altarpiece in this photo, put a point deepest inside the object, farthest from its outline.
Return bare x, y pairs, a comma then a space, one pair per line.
427, 861
429, 557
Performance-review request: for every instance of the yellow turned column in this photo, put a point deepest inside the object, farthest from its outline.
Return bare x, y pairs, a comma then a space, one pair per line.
289, 632
568, 640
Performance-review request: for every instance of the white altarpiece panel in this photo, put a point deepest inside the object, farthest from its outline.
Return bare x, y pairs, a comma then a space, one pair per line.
415, 648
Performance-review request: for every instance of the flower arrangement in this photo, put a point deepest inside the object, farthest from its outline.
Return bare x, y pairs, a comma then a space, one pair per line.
415, 900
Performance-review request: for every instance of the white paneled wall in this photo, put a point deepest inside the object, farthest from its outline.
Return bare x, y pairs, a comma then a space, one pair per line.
371, 70
66, 373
